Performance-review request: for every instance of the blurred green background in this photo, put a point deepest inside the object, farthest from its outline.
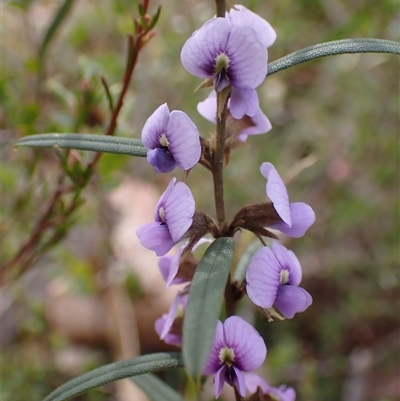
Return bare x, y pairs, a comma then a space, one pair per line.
335, 138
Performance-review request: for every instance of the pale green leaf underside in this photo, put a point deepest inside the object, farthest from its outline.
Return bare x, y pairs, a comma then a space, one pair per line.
116, 371
155, 388
203, 308
92, 142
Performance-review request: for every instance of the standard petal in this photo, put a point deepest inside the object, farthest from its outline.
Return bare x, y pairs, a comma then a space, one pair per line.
302, 216
156, 237
276, 191
184, 140
164, 196
248, 58
179, 209
263, 278
248, 346
154, 127
213, 363
201, 49
291, 300
244, 16
288, 261
161, 159
243, 102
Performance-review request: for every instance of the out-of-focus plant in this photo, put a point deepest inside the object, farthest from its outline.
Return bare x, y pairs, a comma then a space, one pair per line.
230, 53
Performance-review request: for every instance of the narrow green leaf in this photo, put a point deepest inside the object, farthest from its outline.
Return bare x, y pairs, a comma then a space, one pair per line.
203, 308
95, 143
345, 46
155, 388
55, 24
116, 371
241, 268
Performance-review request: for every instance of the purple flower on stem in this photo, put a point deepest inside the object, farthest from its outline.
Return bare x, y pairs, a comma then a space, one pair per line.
273, 278
229, 56
281, 393
296, 217
171, 139
175, 272
257, 124
169, 326
240, 15
173, 217
237, 348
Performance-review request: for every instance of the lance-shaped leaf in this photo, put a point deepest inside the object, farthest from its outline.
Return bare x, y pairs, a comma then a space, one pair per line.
116, 371
203, 308
95, 143
155, 388
344, 46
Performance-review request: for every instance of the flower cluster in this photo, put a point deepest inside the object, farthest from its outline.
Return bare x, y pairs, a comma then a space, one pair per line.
231, 55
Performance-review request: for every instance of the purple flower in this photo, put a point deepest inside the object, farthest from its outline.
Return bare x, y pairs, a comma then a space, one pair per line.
273, 278
171, 139
240, 15
169, 326
296, 217
237, 348
230, 56
173, 217
175, 272
258, 124
281, 393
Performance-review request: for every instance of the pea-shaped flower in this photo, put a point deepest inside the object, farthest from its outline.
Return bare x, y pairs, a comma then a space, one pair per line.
229, 56
171, 139
273, 278
173, 217
296, 217
237, 348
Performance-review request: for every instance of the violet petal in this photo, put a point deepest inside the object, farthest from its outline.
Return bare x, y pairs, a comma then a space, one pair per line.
263, 278
291, 300
248, 346
166, 194
179, 208
302, 216
248, 58
243, 102
213, 363
201, 49
219, 380
161, 159
155, 236
154, 127
244, 16
239, 381
288, 261
184, 140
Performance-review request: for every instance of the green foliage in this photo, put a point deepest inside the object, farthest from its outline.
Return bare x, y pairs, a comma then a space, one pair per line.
203, 308
115, 371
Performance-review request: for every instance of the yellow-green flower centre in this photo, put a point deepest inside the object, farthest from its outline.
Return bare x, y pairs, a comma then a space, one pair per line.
227, 356
284, 276
161, 213
221, 62
164, 140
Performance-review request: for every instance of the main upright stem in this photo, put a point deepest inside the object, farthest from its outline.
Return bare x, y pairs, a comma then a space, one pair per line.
218, 162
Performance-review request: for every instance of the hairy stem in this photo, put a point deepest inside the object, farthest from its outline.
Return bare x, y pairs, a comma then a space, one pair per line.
218, 162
